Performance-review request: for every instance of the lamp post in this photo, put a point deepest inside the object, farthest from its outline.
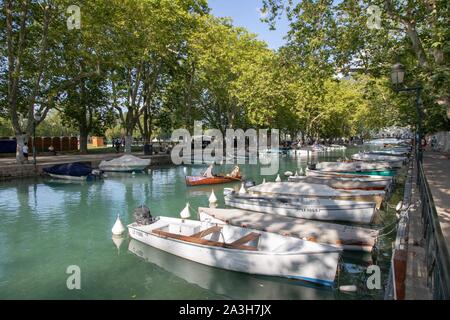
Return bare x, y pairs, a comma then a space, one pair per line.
36, 119
397, 78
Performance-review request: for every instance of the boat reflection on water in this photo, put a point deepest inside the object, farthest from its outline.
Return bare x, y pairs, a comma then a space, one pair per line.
233, 285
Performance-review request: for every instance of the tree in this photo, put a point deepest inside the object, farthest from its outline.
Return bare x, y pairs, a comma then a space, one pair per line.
413, 31
144, 58
31, 49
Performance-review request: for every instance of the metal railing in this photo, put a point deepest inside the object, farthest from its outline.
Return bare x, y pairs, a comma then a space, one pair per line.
437, 256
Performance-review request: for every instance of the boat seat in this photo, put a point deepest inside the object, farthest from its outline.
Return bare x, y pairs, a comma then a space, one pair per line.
206, 232
245, 239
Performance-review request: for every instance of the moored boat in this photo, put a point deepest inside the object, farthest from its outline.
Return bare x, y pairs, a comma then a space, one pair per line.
353, 166
318, 173
76, 171
199, 180
209, 178
126, 163
240, 249
349, 238
304, 207
393, 161
344, 183
309, 190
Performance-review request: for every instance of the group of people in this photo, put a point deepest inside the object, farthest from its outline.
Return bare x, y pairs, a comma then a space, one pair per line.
235, 173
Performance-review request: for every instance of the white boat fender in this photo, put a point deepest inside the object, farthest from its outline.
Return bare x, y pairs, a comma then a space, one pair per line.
118, 228
347, 288
227, 191
296, 174
278, 179
301, 171
185, 214
212, 197
288, 173
242, 190
264, 181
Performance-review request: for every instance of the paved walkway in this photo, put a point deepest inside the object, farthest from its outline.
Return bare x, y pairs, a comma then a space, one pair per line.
437, 171
43, 160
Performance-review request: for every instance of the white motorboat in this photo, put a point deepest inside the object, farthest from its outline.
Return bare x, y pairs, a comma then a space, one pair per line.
393, 161
126, 163
240, 249
344, 183
309, 190
352, 166
305, 208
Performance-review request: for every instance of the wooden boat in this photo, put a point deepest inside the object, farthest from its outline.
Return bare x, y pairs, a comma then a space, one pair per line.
318, 173
346, 237
199, 180
305, 208
390, 152
344, 183
240, 249
393, 161
309, 190
126, 163
383, 173
360, 166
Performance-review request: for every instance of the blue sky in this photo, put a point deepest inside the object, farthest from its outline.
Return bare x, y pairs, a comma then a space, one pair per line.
245, 13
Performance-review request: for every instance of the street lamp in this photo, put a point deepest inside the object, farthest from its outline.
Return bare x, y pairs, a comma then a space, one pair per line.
397, 78
37, 118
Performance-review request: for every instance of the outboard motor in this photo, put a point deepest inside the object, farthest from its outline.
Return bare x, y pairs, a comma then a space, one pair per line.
142, 215
249, 184
312, 166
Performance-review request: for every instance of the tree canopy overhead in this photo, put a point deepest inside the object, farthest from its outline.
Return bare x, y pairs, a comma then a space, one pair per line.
150, 66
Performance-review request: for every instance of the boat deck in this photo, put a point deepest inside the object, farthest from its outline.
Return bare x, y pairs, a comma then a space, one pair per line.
347, 237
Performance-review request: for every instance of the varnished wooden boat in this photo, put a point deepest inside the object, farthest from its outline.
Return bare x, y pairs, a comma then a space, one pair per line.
200, 180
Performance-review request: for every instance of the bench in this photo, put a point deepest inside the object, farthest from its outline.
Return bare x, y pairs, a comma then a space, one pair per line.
245, 239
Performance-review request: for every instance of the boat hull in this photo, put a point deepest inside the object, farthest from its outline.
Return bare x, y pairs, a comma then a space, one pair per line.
317, 267
343, 183
127, 168
347, 211
307, 190
318, 173
65, 177
383, 173
198, 180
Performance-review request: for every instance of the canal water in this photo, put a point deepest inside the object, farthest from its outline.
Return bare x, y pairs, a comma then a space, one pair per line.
48, 225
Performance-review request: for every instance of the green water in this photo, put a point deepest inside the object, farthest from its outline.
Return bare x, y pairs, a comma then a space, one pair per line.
47, 225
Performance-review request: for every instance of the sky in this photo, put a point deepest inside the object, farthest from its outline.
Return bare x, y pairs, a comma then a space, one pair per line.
246, 13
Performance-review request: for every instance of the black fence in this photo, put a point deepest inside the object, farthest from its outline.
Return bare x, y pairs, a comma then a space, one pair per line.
437, 256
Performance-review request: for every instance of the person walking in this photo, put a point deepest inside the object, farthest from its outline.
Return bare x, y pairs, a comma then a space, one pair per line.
25, 151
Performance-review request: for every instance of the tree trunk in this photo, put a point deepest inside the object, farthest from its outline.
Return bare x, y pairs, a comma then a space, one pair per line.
83, 141
128, 142
21, 139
